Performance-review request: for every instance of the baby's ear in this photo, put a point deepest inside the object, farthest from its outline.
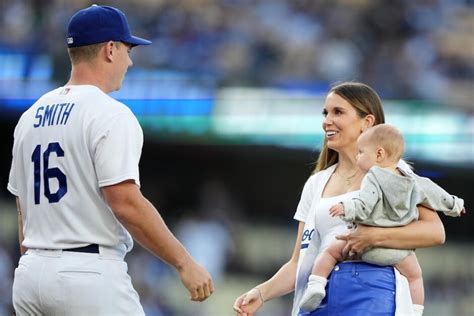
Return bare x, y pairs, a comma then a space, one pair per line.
381, 154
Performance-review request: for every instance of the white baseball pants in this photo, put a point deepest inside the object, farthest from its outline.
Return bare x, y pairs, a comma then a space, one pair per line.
57, 282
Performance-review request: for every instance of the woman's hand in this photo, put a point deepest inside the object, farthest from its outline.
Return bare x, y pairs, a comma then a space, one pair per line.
359, 240
427, 231
248, 303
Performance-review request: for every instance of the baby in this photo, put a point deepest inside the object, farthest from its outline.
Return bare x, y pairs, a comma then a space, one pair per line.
388, 197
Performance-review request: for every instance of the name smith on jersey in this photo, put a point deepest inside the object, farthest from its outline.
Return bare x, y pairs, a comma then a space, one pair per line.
54, 114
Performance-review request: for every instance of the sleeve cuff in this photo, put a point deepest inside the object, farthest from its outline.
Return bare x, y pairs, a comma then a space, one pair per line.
107, 182
12, 190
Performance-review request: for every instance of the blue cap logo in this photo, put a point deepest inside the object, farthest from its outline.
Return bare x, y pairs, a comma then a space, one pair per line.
98, 24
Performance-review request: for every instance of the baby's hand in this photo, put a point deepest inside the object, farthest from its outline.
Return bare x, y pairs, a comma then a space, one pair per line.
463, 211
337, 210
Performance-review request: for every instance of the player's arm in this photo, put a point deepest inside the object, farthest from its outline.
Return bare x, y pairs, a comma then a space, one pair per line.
21, 237
283, 282
147, 227
428, 231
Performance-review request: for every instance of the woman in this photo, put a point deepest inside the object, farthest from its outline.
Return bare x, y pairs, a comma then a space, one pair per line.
354, 288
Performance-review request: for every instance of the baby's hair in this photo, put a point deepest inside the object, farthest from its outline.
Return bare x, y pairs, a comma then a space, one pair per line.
389, 138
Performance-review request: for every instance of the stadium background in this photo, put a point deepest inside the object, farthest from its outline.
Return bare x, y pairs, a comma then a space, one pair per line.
230, 96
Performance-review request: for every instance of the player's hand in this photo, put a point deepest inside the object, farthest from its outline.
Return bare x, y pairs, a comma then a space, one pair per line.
463, 211
248, 303
197, 280
359, 240
337, 210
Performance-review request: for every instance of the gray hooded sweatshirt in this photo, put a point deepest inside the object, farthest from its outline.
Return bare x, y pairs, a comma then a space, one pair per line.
387, 200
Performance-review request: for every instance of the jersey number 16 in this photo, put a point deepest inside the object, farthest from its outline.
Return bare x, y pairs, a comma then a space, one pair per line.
48, 173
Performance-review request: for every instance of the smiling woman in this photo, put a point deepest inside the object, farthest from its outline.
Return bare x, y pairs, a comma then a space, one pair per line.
346, 104
354, 288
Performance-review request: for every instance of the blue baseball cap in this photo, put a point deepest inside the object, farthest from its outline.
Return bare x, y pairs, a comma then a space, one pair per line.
98, 24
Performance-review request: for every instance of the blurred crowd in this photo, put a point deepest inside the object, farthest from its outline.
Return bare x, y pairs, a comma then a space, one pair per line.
403, 48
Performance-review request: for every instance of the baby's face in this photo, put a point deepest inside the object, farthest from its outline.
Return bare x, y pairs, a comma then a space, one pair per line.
367, 155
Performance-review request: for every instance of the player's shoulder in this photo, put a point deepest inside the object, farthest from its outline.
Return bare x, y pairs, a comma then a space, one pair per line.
97, 103
101, 100
112, 112
42, 99
30, 112
112, 106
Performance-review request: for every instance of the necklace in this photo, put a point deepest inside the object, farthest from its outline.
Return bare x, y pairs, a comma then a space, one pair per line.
348, 179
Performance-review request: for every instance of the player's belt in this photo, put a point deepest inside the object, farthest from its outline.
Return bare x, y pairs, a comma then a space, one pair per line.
92, 248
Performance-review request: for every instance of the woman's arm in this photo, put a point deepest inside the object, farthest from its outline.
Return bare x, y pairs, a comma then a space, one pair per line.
428, 231
283, 282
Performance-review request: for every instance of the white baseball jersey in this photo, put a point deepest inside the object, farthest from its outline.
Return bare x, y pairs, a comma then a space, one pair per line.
70, 143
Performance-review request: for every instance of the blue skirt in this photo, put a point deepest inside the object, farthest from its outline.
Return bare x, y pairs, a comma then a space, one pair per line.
358, 289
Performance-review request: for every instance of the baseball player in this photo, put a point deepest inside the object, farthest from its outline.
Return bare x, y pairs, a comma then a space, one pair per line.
75, 176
